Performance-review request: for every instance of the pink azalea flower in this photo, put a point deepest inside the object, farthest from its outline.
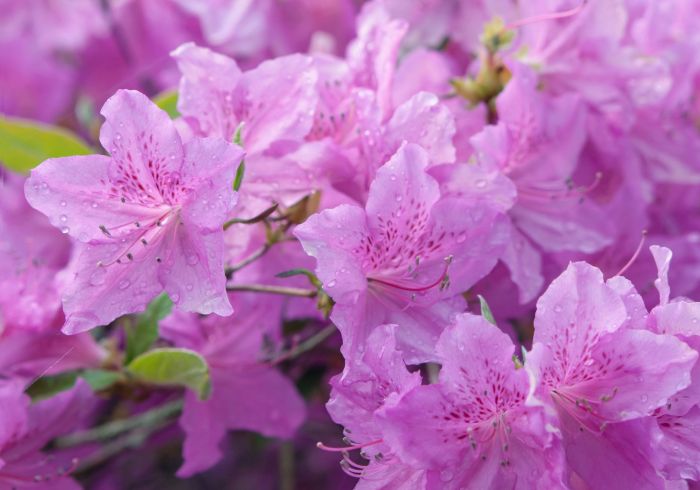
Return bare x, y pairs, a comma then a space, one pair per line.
404, 257
603, 374
473, 429
270, 105
247, 392
146, 219
536, 144
678, 452
25, 429
376, 378
31, 253
356, 113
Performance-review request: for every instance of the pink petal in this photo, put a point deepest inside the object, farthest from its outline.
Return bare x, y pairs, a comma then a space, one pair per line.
258, 399
193, 274
145, 147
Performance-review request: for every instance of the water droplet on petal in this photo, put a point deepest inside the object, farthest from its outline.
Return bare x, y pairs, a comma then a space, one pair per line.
124, 283
98, 277
65, 230
446, 475
557, 309
193, 259
63, 218
63, 204
331, 284
480, 184
189, 287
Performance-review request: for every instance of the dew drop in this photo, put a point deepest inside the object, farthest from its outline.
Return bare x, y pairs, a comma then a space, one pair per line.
557, 309
123, 284
480, 184
331, 284
446, 475
63, 218
189, 287
644, 398
63, 204
175, 297
98, 277
65, 230
193, 259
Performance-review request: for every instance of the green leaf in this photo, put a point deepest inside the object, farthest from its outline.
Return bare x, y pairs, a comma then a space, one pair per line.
240, 172
486, 311
168, 102
141, 336
25, 144
48, 386
238, 135
99, 379
173, 367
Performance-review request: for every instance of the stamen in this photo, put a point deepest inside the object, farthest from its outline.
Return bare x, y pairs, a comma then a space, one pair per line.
439, 282
548, 16
104, 230
552, 195
635, 255
345, 449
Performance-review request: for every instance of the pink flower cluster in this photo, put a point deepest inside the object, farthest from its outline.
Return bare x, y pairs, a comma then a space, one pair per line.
451, 222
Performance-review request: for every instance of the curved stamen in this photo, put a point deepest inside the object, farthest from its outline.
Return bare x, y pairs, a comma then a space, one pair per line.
634, 255
145, 236
552, 195
345, 449
437, 282
548, 16
574, 406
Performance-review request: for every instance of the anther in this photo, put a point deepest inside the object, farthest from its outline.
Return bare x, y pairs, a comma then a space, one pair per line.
104, 230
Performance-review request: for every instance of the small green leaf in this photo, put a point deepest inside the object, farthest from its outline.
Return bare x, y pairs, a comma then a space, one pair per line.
25, 144
486, 311
100, 379
173, 367
168, 102
238, 136
48, 386
240, 172
141, 336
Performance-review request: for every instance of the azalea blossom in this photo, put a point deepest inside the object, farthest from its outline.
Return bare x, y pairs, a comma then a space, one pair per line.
473, 428
403, 257
146, 219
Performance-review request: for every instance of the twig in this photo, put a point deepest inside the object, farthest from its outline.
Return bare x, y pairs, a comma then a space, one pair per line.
116, 427
131, 440
229, 271
286, 462
263, 288
307, 345
255, 219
